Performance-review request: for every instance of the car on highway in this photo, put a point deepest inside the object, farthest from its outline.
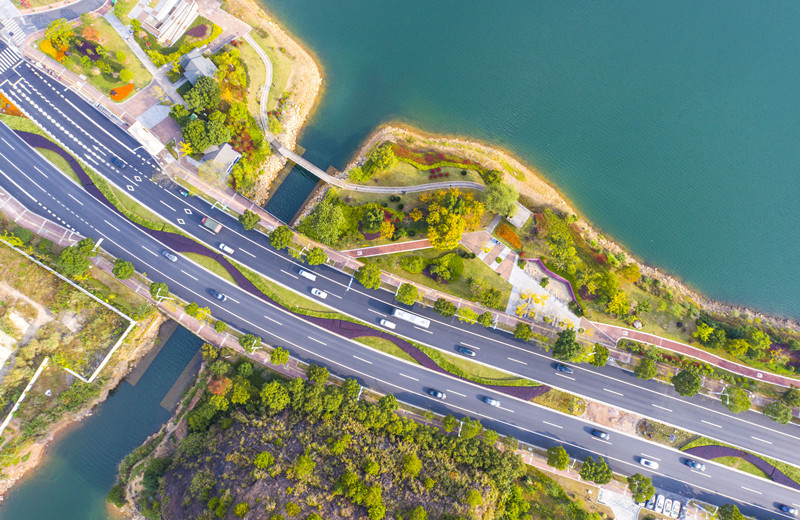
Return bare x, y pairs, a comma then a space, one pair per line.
388, 324
319, 294
648, 463
436, 393
116, 161
788, 509
466, 351
659, 504
699, 466
491, 402
218, 295
226, 248
601, 434
308, 276
563, 368
172, 257
183, 192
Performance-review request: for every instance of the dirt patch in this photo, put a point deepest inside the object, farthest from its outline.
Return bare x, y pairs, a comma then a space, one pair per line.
611, 417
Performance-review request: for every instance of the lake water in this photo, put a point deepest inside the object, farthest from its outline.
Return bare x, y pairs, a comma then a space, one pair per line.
673, 126
81, 466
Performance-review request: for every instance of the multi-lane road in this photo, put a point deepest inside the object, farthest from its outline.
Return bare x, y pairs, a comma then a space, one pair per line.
95, 140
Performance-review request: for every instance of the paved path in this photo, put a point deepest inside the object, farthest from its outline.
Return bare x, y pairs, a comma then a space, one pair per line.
387, 249
617, 333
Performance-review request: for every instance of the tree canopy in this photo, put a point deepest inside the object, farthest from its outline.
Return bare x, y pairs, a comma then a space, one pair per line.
159, 290
326, 222
600, 356
369, 275
687, 382
566, 346
59, 32
735, 399
196, 135
557, 457
641, 487
596, 471
204, 95
778, 411
407, 294
501, 198
122, 269
249, 219
646, 368
316, 256
281, 238
250, 343
729, 512
523, 331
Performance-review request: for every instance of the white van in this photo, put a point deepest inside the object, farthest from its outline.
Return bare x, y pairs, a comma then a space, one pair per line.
306, 274
388, 324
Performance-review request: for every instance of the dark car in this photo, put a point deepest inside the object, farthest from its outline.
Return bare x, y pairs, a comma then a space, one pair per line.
466, 351
183, 192
116, 161
435, 393
603, 435
699, 466
563, 368
788, 509
218, 295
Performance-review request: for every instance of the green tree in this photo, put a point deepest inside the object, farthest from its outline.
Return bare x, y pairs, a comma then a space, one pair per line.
159, 290
220, 367
729, 512
465, 314
279, 356
220, 326
501, 198
566, 346
250, 343
382, 158
418, 513
557, 457
304, 467
717, 339
180, 114
60, 33
274, 397
281, 238
449, 423
596, 471
240, 394
600, 356
492, 177
388, 403
523, 331
737, 347
316, 256
407, 294
641, 487
445, 228
210, 352
470, 428
117, 495
411, 465
125, 76
791, 397
245, 369
122, 269
326, 222
195, 134
24, 235
241, 509
758, 339
736, 399
778, 411
703, 332
486, 319
120, 56
474, 498
317, 374
249, 219
217, 132
373, 217
369, 275
219, 402
687, 382
618, 304
73, 262
646, 368
444, 307
204, 95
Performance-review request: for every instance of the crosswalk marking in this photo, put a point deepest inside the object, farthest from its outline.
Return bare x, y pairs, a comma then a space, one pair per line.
14, 31
8, 58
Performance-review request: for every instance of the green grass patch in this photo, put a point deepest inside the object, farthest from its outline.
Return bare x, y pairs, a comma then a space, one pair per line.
60, 163
158, 54
256, 72
793, 472
406, 174
561, 401
741, 465
210, 264
475, 372
384, 345
122, 8
282, 66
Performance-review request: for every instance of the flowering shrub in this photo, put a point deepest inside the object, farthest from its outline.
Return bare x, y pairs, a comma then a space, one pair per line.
507, 234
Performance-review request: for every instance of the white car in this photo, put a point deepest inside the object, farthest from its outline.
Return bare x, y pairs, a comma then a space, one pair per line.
319, 294
388, 324
648, 463
676, 509
491, 402
226, 248
659, 504
668, 507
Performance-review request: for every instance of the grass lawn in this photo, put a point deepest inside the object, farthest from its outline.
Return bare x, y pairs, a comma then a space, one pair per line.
404, 174
281, 67
660, 433
210, 264
562, 401
474, 268
559, 498
60, 163
741, 465
384, 345
184, 44
122, 9
256, 72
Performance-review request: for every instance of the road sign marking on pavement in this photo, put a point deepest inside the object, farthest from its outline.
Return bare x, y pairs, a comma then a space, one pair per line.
73, 198
423, 330
247, 252
565, 376
167, 205
138, 179
650, 456
376, 312
181, 221
470, 346
110, 224
190, 276
701, 473
710, 423
130, 188
187, 211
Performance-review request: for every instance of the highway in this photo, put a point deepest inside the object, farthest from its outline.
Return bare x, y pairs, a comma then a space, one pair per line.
93, 138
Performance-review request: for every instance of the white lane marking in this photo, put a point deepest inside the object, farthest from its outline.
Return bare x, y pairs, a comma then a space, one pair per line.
73, 198
234, 300
454, 392
247, 252
650, 457
376, 312
517, 361
274, 321
598, 439
412, 378
40, 171
506, 409
190, 276
9, 145
613, 392
318, 341
565, 375
167, 205
761, 440
364, 360
752, 490
553, 425
423, 330
710, 423
470, 346
290, 274
662, 408
152, 253
701, 473
112, 225
335, 295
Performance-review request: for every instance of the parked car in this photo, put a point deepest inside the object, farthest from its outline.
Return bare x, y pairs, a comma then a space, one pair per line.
651, 503
172, 257
648, 463
388, 324
436, 393
466, 351
676, 509
183, 192
601, 434
226, 248
116, 161
563, 368
319, 294
788, 509
491, 402
218, 295
699, 466
659, 504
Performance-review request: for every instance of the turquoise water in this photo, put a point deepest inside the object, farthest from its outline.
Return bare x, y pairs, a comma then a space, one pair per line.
673, 126
81, 466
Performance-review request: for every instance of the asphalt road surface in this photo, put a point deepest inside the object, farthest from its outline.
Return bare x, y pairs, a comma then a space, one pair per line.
94, 139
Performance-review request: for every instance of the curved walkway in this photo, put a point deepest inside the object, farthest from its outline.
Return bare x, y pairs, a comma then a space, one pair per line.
616, 333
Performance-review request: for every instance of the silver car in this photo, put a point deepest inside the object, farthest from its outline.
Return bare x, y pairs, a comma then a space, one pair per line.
491, 402
172, 257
